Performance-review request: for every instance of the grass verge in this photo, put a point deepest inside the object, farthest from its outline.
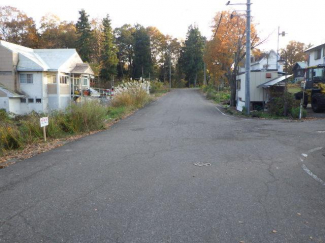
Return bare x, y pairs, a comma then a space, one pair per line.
21, 137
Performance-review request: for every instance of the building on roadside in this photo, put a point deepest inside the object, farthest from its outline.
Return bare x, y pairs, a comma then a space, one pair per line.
40, 80
299, 70
316, 55
266, 74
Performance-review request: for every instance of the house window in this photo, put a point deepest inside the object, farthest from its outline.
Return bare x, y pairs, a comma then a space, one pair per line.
51, 79
64, 79
318, 54
238, 84
26, 78
38, 100
22, 100
30, 100
85, 81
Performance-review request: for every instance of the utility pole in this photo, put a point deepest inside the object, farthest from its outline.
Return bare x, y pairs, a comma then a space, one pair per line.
248, 53
170, 68
248, 58
205, 75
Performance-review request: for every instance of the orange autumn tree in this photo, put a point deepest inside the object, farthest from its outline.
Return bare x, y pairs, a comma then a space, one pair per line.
225, 52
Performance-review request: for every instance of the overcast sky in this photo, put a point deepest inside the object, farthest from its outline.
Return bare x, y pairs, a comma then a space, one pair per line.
302, 20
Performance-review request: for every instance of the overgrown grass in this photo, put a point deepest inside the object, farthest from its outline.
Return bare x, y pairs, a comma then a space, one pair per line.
131, 98
117, 112
157, 87
78, 118
22, 130
220, 96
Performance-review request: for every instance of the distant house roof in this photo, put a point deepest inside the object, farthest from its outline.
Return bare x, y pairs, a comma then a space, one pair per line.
82, 68
300, 65
44, 59
263, 57
274, 81
314, 47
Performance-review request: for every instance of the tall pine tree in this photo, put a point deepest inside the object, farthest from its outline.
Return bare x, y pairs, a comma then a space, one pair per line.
191, 59
142, 64
84, 36
109, 58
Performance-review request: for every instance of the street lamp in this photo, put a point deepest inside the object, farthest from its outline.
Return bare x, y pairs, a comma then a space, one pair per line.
283, 33
248, 53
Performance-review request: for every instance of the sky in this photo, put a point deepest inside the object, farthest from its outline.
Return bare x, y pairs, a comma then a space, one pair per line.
301, 20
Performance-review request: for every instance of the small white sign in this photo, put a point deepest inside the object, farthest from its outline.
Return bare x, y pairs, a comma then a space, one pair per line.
44, 121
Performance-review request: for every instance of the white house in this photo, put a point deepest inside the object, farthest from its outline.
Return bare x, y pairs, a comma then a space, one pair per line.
265, 72
268, 61
316, 55
40, 80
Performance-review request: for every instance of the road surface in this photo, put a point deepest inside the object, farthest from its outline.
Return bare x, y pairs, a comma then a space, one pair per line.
178, 170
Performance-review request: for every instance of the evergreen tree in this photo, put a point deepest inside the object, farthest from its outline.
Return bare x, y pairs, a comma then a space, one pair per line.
142, 64
125, 43
191, 59
84, 36
109, 58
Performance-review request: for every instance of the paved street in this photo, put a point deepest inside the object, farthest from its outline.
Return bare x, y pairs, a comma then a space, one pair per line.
176, 171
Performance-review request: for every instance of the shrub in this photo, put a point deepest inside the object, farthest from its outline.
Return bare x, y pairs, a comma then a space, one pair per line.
277, 104
122, 99
85, 117
3, 115
30, 127
211, 94
295, 112
133, 94
9, 138
156, 86
180, 84
116, 112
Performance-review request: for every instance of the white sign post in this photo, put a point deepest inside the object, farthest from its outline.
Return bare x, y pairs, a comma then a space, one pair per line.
44, 122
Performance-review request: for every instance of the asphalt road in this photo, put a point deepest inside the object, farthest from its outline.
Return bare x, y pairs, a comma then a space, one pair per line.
262, 181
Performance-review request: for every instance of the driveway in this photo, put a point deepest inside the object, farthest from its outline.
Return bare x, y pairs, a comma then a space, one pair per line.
178, 170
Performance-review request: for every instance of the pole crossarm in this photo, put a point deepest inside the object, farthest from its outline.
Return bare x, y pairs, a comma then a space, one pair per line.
228, 3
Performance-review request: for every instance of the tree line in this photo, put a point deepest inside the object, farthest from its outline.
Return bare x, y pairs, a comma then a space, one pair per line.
129, 51
134, 51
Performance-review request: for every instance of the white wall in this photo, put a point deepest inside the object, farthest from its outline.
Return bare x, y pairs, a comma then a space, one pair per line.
256, 94
65, 101
268, 63
312, 61
14, 106
53, 102
4, 103
33, 91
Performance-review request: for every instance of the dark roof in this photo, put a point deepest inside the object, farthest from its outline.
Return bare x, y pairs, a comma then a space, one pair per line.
300, 65
82, 68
